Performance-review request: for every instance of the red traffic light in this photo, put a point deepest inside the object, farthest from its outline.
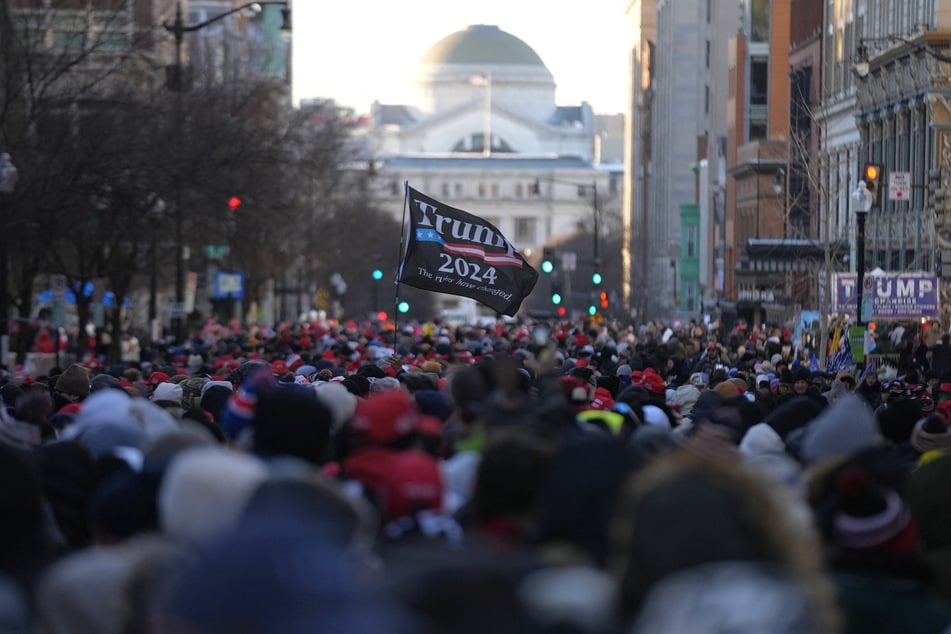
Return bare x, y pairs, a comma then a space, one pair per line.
381, 316
233, 203
604, 299
561, 311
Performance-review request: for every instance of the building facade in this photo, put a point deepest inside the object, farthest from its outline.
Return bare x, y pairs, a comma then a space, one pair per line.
486, 135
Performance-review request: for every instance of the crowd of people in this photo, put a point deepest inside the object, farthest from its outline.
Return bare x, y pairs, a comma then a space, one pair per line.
517, 477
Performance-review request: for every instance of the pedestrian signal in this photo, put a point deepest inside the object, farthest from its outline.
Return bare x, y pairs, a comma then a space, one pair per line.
873, 182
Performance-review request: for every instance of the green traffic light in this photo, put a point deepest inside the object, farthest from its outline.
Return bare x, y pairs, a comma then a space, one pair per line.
592, 310
377, 274
555, 298
403, 307
547, 266
596, 278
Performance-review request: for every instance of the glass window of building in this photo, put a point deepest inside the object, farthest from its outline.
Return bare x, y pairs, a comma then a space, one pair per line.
445, 189
759, 20
481, 190
495, 190
525, 230
458, 188
519, 191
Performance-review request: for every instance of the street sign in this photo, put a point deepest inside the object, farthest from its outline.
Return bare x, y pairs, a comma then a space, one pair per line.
176, 310
569, 260
229, 285
217, 251
899, 185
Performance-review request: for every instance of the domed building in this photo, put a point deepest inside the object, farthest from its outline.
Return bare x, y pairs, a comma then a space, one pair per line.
484, 81
537, 180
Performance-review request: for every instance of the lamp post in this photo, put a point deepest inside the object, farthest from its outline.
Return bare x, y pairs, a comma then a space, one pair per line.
779, 187
8, 182
176, 83
861, 205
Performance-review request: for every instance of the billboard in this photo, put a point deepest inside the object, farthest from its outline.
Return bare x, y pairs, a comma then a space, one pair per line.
893, 295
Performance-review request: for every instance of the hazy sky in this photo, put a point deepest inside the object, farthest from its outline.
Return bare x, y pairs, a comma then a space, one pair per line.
364, 51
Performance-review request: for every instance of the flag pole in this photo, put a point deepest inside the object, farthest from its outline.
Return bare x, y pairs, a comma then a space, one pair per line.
487, 141
399, 267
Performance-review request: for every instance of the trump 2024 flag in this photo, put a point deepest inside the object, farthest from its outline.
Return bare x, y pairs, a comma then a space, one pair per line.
452, 251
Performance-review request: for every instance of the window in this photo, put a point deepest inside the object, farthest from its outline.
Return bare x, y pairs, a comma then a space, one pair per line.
709, 10
759, 81
707, 54
518, 190
458, 188
481, 190
495, 190
445, 189
691, 242
759, 20
525, 230
706, 100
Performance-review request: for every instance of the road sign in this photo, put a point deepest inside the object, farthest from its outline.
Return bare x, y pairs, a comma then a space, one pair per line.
216, 251
176, 310
569, 260
229, 285
899, 185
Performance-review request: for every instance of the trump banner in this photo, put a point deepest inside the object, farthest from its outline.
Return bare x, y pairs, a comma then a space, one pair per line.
452, 251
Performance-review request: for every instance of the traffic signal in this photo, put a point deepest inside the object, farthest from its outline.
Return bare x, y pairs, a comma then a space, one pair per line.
233, 203
381, 316
873, 182
548, 260
556, 293
604, 299
937, 194
403, 307
596, 278
592, 310
377, 274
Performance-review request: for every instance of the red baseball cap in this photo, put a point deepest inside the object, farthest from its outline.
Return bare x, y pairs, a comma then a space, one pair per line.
384, 417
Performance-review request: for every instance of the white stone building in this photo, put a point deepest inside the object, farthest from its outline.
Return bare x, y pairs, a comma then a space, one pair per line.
537, 179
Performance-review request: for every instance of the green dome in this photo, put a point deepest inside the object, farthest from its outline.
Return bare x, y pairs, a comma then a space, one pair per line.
482, 44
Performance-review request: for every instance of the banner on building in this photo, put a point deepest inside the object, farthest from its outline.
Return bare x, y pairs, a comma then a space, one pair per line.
894, 295
452, 251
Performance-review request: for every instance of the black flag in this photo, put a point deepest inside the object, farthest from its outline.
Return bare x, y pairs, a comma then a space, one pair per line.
452, 251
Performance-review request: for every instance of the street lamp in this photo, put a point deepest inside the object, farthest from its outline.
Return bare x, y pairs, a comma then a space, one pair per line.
861, 62
176, 83
861, 205
8, 182
779, 188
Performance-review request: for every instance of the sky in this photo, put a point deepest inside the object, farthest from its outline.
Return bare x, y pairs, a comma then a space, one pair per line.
359, 52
